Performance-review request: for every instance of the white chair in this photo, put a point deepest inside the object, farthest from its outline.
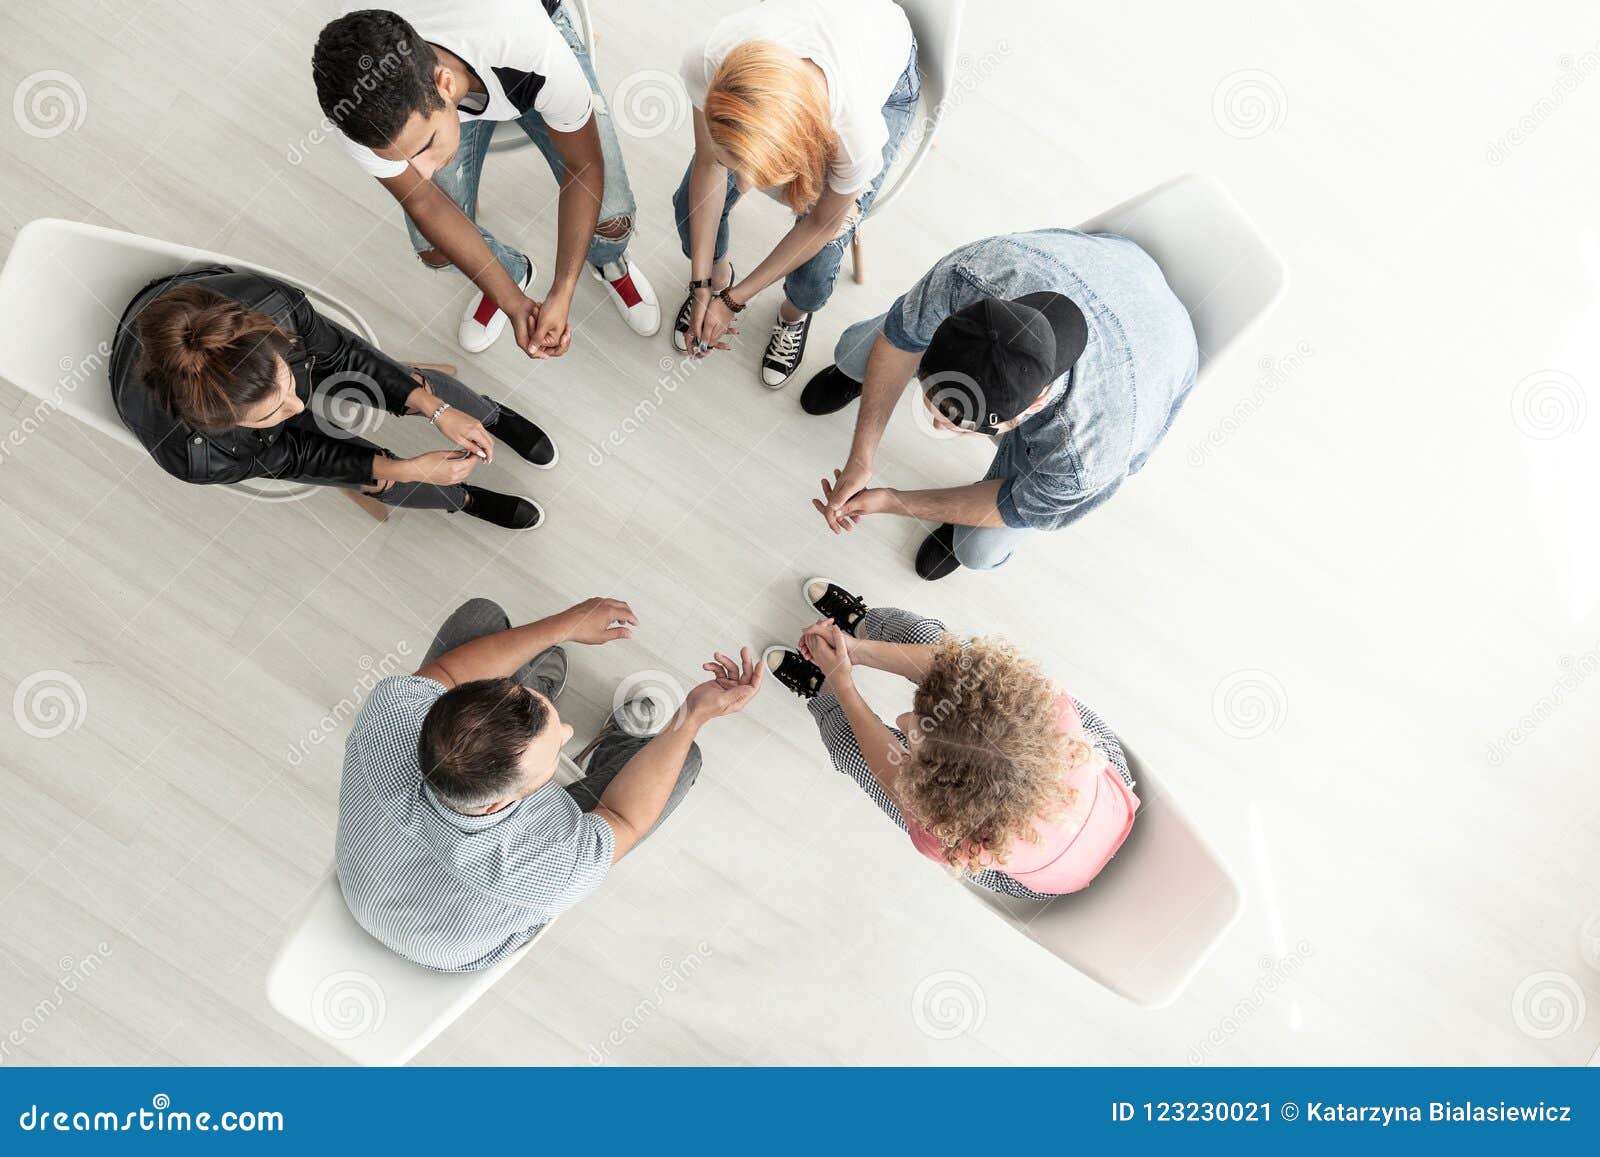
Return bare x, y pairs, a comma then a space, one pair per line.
1147, 922
937, 25
508, 135
339, 984
1214, 258
65, 285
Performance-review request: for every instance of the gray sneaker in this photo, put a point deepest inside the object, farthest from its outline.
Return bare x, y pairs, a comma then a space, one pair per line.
548, 672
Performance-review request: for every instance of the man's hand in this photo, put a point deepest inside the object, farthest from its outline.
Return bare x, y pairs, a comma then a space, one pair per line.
467, 432
731, 686
828, 647
591, 621
847, 483
551, 333
439, 467
843, 515
524, 318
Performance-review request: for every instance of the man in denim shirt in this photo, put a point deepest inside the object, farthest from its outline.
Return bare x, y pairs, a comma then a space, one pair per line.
1068, 348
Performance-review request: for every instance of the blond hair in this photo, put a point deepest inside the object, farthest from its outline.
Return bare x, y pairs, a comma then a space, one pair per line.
990, 758
767, 110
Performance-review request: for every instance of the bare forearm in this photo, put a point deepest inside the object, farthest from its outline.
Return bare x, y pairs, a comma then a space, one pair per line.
974, 505
578, 213
708, 193
450, 231
879, 746
796, 247
911, 660
502, 653
889, 368
633, 801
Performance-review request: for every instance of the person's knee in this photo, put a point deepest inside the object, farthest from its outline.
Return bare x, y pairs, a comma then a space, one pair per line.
981, 552
615, 228
482, 610
433, 259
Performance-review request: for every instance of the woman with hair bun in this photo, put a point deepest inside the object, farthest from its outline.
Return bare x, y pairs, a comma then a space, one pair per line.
994, 773
226, 375
809, 101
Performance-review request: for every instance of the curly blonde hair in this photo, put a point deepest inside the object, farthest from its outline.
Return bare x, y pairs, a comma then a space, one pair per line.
990, 758
768, 111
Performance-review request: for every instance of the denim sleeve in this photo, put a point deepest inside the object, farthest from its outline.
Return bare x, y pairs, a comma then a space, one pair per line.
1040, 500
912, 319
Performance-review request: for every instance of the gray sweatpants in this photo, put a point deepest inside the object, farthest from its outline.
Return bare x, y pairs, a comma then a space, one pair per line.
476, 618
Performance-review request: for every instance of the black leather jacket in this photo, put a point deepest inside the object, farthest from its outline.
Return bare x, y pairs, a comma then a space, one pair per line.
296, 449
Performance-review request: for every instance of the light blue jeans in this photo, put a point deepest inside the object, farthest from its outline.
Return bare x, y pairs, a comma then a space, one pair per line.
459, 179
977, 547
809, 285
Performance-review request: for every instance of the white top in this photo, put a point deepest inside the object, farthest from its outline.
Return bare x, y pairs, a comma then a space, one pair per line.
862, 47
518, 54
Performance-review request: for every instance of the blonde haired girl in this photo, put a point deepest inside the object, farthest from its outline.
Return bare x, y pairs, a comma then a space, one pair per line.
809, 101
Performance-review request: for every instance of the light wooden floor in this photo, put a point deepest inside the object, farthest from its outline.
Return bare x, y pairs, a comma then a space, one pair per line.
1358, 514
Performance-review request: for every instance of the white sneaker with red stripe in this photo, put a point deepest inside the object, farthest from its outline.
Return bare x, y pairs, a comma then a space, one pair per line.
484, 321
633, 296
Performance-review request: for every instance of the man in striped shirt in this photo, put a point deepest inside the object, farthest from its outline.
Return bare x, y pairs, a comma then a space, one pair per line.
455, 843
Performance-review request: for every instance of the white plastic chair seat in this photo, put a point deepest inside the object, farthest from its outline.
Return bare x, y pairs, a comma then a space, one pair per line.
339, 984
1144, 926
64, 287
1215, 259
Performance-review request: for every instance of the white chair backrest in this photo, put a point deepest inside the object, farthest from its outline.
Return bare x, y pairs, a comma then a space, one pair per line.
1217, 262
937, 26
62, 291
339, 984
1144, 926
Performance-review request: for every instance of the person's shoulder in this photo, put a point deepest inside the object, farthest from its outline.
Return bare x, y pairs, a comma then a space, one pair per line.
399, 698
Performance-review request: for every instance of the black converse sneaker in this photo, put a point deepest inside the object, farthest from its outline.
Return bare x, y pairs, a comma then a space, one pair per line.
785, 348
794, 671
524, 437
832, 601
505, 510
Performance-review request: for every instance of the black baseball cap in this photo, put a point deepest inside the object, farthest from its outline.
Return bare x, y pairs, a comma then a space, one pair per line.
988, 362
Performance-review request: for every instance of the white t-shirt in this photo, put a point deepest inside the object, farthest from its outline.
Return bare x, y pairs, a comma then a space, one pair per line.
518, 54
862, 47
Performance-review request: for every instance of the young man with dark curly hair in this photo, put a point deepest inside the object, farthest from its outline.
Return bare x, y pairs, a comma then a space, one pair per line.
416, 92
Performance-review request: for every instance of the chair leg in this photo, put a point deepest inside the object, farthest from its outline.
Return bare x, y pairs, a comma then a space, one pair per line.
368, 503
858, 271
436, 367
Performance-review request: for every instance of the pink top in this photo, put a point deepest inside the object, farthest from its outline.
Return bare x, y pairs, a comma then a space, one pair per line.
1072, 849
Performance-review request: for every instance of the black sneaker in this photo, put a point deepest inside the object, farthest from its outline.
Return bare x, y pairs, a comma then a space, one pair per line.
785, 348
524, 437
505, 510
794, 671
936, 558
680, 327
829, 392
832, 601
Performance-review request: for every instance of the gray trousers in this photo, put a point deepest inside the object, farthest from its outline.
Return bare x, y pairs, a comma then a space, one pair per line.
425, 495
476, 618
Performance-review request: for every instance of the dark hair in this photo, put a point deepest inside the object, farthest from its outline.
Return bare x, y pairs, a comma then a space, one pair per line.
207, 358
473, 738
372, 72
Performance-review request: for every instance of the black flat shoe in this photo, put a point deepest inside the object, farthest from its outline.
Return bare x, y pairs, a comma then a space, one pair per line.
794, 671
936, 557
832, 601
505, 510
524, 437
829, 392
